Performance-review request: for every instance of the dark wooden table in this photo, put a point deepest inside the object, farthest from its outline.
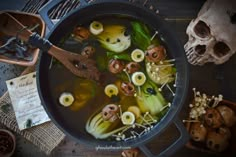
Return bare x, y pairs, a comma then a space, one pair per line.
209, 78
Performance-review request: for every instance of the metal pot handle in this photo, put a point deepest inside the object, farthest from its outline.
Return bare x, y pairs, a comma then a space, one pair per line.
48, 6
182, 140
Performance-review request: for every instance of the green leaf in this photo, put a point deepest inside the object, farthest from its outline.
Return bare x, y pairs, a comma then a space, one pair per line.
120, 56
140, 35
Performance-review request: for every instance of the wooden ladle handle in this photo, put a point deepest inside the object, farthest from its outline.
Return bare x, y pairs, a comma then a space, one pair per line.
76, 63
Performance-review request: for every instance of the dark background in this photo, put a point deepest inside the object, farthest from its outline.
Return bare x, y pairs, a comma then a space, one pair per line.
211, 79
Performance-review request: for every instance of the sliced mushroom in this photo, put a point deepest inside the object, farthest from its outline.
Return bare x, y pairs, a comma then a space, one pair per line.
227, 114
213, 118
88, 51
155, 53
116, 66
110, 112
134, 152
217, 140
198, 132
127, 88
132, 67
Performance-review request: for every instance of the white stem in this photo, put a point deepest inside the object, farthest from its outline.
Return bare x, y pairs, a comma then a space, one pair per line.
127, 75
170, 90
154, 35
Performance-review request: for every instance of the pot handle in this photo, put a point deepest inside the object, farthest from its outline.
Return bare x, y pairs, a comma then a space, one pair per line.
44, 11
182, 140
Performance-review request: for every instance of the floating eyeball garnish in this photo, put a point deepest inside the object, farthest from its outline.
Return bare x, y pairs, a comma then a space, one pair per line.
128, 118
111, 90
66, 99
138, 78
137, 55
96, 27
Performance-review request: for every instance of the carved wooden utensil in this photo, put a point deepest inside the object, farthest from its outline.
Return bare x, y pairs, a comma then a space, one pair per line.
76, 63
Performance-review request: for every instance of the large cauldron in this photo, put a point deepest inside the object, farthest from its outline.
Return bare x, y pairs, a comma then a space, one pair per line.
101, 8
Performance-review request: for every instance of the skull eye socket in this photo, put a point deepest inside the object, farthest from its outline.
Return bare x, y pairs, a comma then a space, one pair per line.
221, 49
202, 30
200, 49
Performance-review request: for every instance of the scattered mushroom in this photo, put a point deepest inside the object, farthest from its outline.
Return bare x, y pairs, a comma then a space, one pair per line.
155, 53
81, 33
227, 114
110, 112
132, 67
213, 118
134, 152
128, 88
115, 66
198, 132
88, 51
217, 140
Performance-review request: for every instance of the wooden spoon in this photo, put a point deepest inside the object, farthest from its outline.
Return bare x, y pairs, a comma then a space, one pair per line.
76, 63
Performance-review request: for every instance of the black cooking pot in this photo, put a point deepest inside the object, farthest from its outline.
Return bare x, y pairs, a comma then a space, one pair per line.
89, 11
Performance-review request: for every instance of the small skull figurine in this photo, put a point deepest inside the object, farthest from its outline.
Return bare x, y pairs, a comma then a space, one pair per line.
88, 51
212, 34
134, 152
116, 66
127, 88
155, 53
132, 67
218, 140
109, 112
213, 118
81, 33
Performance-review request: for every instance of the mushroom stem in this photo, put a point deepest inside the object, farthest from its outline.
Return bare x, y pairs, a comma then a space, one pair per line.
154, 35
165, 65
164, 107
162, 86
127, 75
191, 121
170, 90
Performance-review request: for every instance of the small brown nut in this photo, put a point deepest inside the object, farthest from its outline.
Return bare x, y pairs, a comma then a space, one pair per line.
109, 112
217, 140
198, 132
127, 88
116, 66
155, 53
134, 152
81, 33
132, 67
227, 114
213, 118
88, 51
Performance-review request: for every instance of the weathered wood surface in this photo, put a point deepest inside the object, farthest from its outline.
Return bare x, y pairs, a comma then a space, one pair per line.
210, 79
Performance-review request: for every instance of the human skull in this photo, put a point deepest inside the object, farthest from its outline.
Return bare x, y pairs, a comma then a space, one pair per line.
212, 35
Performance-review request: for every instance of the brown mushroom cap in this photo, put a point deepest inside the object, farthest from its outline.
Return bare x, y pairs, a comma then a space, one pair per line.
116, 66
198, 132
227, 114
213, 118
127, 88
132, 67
217, 140
155, 53
109, 112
